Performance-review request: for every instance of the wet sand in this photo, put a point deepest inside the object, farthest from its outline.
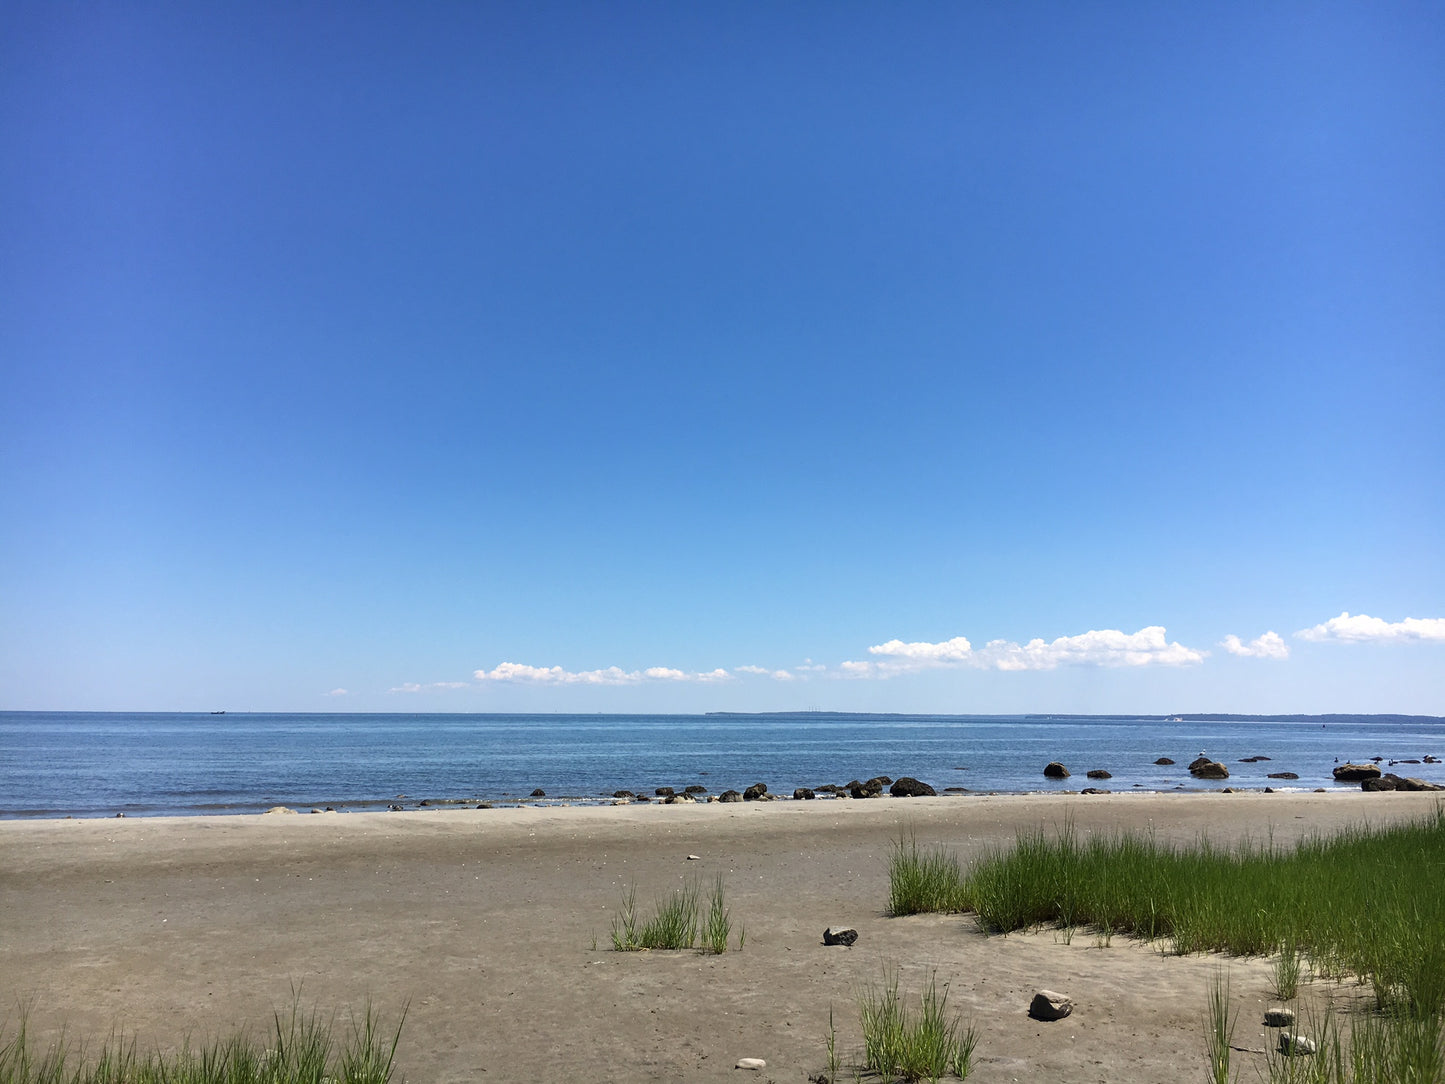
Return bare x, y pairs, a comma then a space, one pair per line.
492, 926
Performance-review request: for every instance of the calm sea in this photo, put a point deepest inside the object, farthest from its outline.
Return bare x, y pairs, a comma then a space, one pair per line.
55, 764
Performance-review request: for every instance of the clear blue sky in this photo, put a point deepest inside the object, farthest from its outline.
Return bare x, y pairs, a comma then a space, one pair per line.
453, 355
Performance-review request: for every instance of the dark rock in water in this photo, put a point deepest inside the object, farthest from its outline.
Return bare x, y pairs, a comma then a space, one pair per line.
881, 780
729, 796
1048, 1005
754, 792
623, 794
1356, 773
1093, 790
831, 788
1199, 762
1204, 768
1284, 775
393, 808
908, 787
484, 805
644, 798
1164, 760
664, 792
840, 935
696, 788
1054, 770
1377, 759
870, 789
803, 794
955, 790
539, 793
1431, 760
1099, 773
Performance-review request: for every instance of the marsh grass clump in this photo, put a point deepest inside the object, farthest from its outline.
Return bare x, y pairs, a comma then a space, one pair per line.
301, 1050
921, 1044
1368, 902
921, 882
675, 923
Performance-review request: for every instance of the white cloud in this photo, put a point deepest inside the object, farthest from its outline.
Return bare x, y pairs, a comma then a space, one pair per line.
337, 692
956, 650
416, 687
1097, 647
1364, 629
1269, 646
776, 675
522, 674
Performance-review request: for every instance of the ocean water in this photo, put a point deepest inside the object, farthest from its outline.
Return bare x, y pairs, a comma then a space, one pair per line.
56, 764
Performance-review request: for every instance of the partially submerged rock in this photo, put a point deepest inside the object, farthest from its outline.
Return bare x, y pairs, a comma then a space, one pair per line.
1356, 773
1054, 770
1099, 773
1204, 768
908, 787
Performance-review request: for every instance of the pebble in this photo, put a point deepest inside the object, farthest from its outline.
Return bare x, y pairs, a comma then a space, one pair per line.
694, 858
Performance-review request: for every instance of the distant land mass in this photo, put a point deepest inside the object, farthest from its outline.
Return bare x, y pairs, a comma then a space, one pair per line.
1180, 717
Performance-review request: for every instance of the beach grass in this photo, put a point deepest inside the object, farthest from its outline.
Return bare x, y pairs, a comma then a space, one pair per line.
925, 1043
1368, 902
301, 1049
923, 881
676, 921
1219, 1031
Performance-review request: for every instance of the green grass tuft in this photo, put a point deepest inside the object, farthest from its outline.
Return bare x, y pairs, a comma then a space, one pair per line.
302, 1051
675, 924
925, 1044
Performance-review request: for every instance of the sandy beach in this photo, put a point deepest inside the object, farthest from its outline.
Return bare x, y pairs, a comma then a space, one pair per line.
491, 927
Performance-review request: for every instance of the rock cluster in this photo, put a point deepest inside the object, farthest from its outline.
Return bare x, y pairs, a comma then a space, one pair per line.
1391, 781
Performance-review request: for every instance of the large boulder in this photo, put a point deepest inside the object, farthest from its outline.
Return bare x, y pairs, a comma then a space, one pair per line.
1356, 773
803, 794
908, 787
1204, 768
729, 796
1391, 781
754, 792
871, 789
1054, 770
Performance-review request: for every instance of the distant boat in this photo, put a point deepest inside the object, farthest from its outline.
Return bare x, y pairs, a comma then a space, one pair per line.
221, 712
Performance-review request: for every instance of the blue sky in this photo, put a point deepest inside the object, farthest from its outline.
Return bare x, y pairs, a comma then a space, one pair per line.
687, 357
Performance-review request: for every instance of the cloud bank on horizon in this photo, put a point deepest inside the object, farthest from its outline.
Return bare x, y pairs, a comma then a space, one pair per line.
1106, 648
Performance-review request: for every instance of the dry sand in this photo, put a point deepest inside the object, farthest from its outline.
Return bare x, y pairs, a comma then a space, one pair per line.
492, 925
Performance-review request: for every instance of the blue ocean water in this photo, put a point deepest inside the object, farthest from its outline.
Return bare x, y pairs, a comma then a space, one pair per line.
99, 764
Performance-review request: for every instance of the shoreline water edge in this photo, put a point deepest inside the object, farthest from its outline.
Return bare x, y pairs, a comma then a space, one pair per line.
93, 765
